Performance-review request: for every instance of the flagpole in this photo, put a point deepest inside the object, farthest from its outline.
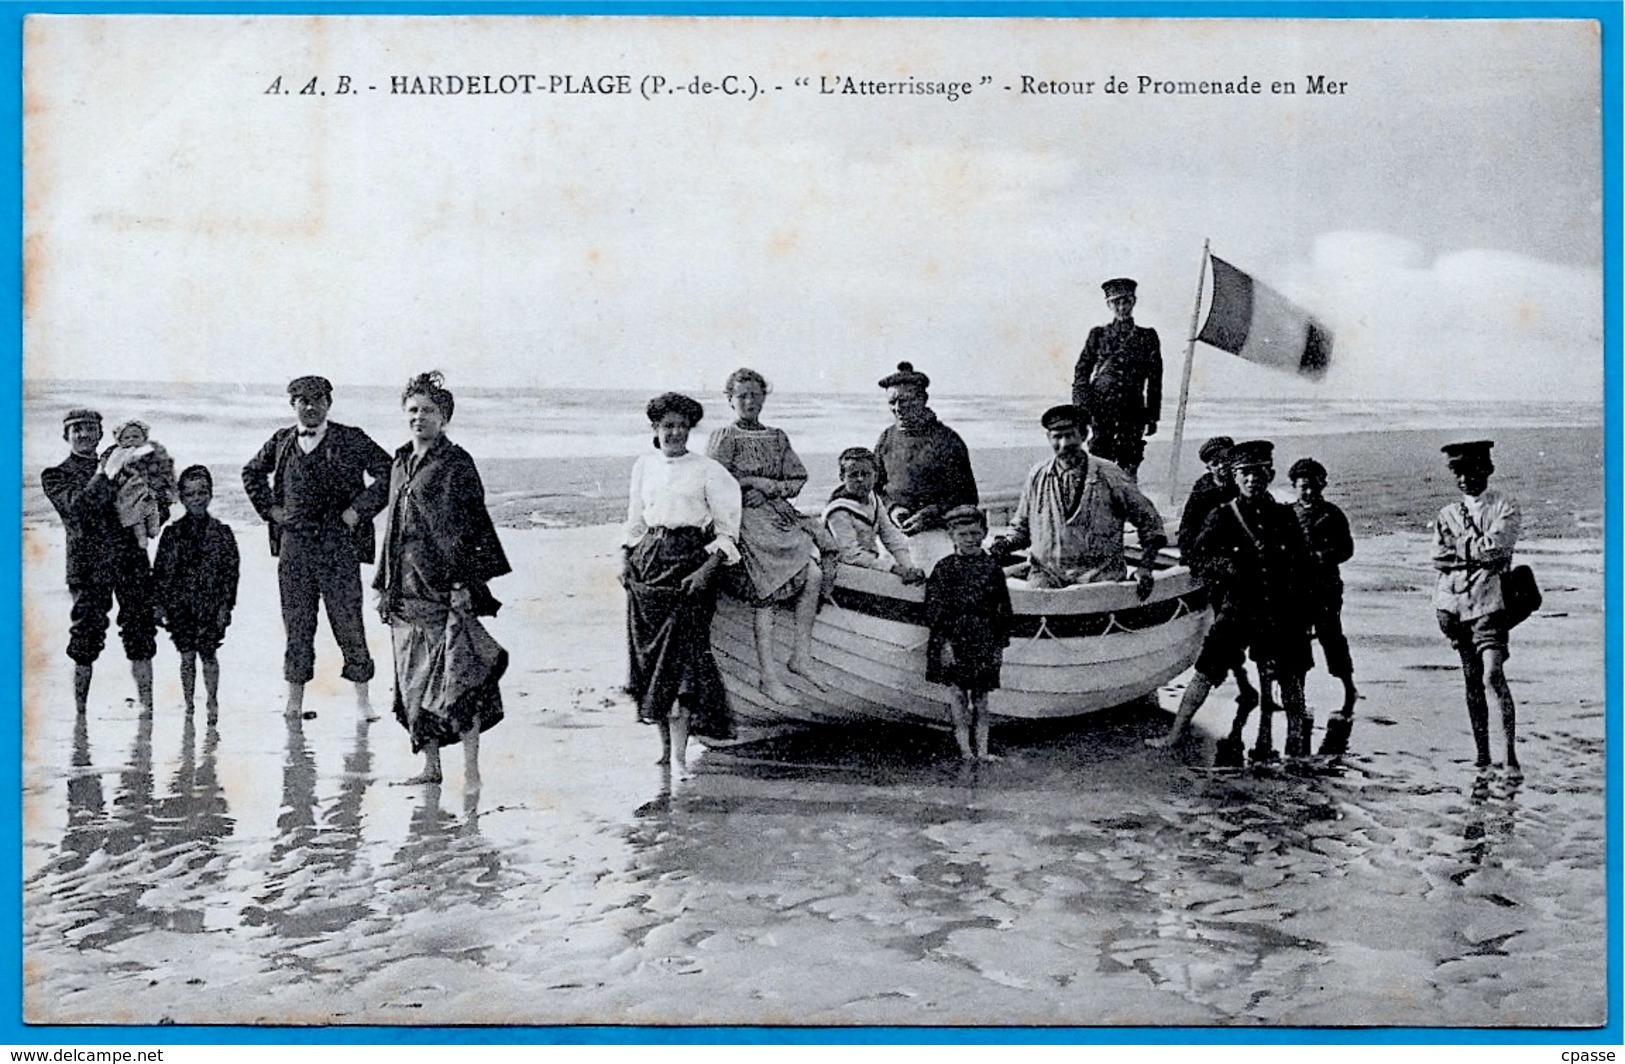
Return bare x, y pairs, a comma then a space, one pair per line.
1185, 387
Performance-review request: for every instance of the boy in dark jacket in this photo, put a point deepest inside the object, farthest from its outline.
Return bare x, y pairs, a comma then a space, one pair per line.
195, 576
1330, 545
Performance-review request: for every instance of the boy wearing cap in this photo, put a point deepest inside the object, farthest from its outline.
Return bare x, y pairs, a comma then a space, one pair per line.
309, 484
967, 608
1253, 558
1473, 541
1118, 381
104, 560
1212, 490
1071, 514
1326, 528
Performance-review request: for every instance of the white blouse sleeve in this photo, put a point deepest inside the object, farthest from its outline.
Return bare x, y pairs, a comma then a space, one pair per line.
635, 526
722, 498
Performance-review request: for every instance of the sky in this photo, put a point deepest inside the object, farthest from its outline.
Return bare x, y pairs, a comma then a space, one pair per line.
1442, 215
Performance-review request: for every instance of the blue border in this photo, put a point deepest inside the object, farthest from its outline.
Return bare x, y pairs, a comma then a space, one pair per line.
12, 1029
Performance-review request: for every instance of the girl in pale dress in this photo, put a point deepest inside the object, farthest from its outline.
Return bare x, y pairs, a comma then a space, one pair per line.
682, 524
780, 554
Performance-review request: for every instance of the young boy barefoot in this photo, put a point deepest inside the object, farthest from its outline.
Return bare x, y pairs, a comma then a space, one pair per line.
195, 578
967, 607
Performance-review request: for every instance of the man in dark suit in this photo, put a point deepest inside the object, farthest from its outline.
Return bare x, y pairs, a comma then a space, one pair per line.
309, 482
1119, 381
105, 559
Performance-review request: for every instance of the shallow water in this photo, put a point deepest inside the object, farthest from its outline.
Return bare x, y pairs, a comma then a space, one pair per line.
257, 871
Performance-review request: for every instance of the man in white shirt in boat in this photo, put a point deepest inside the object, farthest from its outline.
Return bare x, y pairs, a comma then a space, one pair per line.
1072, 511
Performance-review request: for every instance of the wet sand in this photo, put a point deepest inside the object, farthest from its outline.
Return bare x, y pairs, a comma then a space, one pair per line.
256, 872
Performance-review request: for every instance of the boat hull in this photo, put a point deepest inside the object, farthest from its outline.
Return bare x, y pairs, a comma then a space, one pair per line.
1073, 651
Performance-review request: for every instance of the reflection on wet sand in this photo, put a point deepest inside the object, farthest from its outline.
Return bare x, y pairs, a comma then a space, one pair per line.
312, 885
857, 875
132, 870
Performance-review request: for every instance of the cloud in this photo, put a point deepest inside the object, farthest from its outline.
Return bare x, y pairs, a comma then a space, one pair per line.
1470, 323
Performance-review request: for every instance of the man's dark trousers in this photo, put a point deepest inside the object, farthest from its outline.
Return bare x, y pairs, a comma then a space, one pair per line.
321, 565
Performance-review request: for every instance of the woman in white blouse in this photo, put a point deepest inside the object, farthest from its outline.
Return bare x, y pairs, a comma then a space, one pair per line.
682, 524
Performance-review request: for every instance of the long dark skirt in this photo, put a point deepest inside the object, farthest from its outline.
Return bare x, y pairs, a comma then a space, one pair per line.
668, 634
446, 672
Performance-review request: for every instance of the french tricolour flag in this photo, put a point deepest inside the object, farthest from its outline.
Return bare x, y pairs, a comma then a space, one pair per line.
1251, 320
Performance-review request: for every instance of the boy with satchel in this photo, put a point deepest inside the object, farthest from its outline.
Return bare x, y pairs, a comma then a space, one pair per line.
1473, 541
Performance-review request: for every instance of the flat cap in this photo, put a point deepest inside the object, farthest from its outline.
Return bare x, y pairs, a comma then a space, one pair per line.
1119, 286
678, 403
79, 415
1468, 451
964, 515
1306, 468
906, 374
1064, 416
1252, 453
1215, 449
310, 388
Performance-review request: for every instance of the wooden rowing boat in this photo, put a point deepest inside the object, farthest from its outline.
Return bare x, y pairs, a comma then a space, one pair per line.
1073, 651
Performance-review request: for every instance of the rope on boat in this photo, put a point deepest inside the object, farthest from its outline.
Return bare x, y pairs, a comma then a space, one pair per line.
1113, 626
1043, 631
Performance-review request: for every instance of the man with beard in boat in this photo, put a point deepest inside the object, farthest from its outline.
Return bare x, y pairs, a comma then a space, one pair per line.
924, 468
1253, 557
1118, 380
1071, 515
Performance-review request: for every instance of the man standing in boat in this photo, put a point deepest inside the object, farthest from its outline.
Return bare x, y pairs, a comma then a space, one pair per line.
1118, 381
924, 468
1072, 512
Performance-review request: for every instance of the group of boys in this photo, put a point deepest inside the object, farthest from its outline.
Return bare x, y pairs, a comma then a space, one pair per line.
1272, 573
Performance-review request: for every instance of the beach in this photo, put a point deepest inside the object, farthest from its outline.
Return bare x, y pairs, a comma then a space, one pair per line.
260, 871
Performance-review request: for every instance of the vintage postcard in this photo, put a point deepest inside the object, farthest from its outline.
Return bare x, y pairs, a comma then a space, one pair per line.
429, 422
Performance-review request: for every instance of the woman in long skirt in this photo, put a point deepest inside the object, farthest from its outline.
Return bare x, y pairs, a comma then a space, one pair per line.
440, 551
779, 553
682, 525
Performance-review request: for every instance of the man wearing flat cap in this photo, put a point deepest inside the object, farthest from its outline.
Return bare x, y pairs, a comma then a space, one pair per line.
1473, 541
924, 467
1118, 381
1071, 514
309, 483
1252, 555
105, 559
